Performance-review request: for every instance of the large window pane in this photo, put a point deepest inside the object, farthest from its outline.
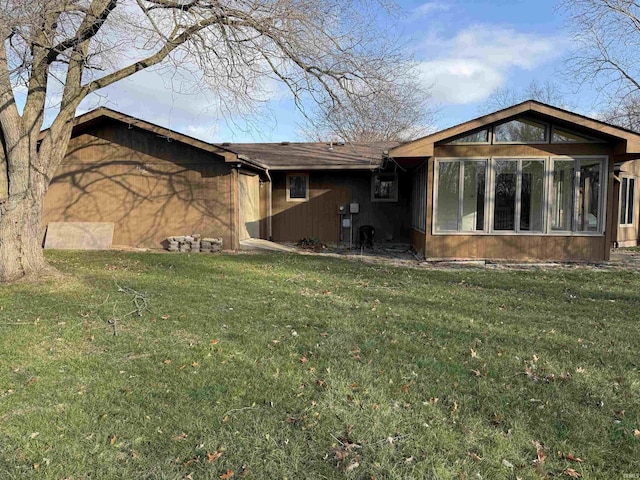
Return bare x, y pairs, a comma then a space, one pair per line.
481, 136
589, 196
623, 200
504, 212
562, 195
473, 196
448, 194
520, 131
532, 196
630, 202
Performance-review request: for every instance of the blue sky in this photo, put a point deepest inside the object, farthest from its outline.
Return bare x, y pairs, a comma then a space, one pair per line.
466, 49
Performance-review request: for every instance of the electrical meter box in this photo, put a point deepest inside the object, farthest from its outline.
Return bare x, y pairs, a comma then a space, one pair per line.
346, 223
354, 208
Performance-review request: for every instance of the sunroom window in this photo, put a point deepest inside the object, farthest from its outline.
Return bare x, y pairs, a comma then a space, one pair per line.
576, 195
520, 130
480, 136
461, 196
627, 196
518, 195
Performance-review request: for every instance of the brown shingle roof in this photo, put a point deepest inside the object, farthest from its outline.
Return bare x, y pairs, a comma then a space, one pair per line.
313, 155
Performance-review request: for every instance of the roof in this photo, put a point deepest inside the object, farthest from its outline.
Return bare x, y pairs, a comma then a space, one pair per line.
87, 120
261, 156
424, 147
313, 155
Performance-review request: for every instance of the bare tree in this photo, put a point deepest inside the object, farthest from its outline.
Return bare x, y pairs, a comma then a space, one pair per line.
547, 92
390, 111
607, 35
61, 51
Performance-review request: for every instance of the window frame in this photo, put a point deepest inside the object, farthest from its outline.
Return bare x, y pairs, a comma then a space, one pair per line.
587, 138
394, 197
629, 201
547, 206
602, 206
456, 139
288, 187
518, 206
436, 178
546, 125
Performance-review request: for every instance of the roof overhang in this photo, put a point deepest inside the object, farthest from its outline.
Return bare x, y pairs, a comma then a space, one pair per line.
627, 142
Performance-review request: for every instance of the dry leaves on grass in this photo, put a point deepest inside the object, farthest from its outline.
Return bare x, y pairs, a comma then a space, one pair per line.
571, 457
538, 463
228, 474
570, 472
212, 457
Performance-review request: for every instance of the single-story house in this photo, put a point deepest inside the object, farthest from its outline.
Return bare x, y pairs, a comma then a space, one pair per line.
528, 182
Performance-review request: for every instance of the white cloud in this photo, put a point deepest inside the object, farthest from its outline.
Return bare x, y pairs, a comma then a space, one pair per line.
428, 8
466, 68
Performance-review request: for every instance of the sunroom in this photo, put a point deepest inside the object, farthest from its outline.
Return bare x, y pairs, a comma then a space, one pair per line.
531, 182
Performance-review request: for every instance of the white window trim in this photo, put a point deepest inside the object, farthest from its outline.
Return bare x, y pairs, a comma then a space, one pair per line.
518, 211
489, 200
298, 200
436, 177
629, 200
602, 208
394, 198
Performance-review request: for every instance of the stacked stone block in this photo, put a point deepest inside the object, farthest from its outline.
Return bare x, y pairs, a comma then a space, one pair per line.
194, 244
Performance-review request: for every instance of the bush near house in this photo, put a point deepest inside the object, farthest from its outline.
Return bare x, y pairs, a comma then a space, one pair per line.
286, 366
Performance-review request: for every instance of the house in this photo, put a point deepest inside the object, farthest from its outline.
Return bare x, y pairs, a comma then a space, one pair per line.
530, 182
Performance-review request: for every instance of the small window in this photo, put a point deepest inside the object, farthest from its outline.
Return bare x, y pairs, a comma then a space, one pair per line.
565, 136
384, 187
297, 188
481, 136
627, 197
520, 131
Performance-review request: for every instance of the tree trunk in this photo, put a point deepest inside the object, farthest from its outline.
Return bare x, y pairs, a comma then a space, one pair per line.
20, 237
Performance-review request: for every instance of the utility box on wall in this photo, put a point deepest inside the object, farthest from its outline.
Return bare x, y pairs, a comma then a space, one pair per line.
354, 208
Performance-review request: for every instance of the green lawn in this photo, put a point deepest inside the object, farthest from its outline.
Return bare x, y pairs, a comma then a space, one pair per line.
284, 366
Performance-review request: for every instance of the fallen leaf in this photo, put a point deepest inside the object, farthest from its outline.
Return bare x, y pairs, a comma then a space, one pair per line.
542, 455
474, 353
167, 361
165, 317
227, 475
636, 433
36, 466
214, 341
572, 473
476, 373
303, 360
475, 457
405, 388
34, 435
212, 457
182, 436
191, 461
455, 407
195, 364
324, 334
571, 458
351, 467
113, 439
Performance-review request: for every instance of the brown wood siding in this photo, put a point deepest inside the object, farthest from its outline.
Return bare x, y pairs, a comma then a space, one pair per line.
418, 240
516, 247
318, 217
543, 150
149, 187
628, 235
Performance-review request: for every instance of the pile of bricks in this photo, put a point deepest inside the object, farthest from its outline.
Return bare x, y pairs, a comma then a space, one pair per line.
194, 244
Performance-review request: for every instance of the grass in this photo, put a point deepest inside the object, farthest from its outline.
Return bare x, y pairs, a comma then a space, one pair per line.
284, 366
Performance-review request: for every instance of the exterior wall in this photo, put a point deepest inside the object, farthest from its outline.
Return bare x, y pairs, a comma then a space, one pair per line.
149, 187
418, 240
518, 246
628, 235
318, 217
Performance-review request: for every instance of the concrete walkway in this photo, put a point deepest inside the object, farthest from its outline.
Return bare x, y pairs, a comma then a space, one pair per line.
259, 244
